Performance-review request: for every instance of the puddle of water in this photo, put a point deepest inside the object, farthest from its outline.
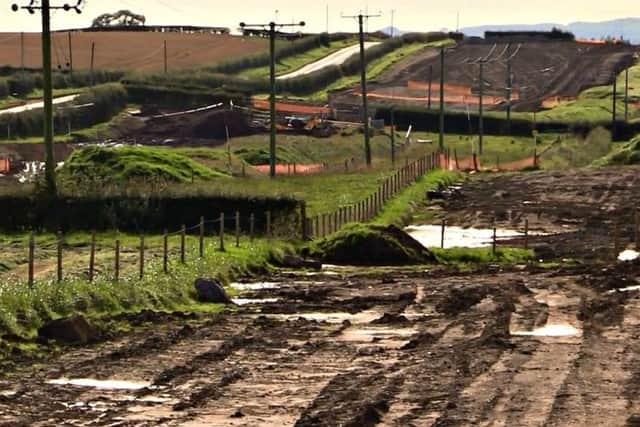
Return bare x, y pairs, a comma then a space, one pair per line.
457, 237
628, 255
255, 286
106, 384
550, 331
627, 289
337, 317
369, 334
252, 301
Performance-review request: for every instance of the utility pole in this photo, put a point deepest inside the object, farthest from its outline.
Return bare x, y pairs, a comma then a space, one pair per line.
272, 85
165, 57
22, 51
441, 139
393, 12
363, 84
93, 57
626, 95
481, 109
429, 91
509, 92
45, 9
615, 101
70, 54
393, 137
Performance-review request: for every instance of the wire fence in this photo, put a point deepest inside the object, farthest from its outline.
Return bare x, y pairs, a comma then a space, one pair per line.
227, 227
365, 210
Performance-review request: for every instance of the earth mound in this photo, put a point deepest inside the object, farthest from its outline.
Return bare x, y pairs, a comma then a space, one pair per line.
371, 245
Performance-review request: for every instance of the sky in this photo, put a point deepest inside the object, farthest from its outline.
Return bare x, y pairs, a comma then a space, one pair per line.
409, 15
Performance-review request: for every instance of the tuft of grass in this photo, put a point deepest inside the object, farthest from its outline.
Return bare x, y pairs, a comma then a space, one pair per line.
466, 256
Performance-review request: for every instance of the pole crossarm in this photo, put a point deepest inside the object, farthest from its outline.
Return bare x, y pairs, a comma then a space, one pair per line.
35, 5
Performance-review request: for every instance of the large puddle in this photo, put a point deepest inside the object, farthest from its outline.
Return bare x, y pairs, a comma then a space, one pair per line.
253, 301
550, 330
457, 237
257, 286
334, 317
102, 384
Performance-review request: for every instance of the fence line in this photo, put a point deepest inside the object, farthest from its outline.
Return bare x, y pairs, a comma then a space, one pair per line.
197, 230
364, 210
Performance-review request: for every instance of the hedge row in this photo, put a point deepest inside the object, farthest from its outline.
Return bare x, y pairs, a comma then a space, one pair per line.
176, 97
23, 84
137, 214
460, 123
107, 100
263, 59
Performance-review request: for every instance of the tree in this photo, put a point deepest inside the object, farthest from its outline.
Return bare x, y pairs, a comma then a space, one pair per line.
122, 18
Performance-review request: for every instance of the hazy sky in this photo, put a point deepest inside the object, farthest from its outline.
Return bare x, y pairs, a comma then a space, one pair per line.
410, 15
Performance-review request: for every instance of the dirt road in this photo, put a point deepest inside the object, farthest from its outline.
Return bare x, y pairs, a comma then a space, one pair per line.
520, 346
336, 58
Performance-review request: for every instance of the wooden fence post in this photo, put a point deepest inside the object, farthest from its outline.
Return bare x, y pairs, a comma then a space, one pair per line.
117, 261
268, 224
201, 243
92, 257
221, 232
141, 256
237, 229
252, 225
444, 224
637, 230
336, 226
59, 257
324, 225
165, 252
183, 232
32, 250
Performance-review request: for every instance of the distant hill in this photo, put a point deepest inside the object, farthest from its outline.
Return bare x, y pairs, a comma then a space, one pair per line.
629, 28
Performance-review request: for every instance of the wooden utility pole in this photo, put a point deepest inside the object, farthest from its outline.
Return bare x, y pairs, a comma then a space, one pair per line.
626, 94
614, 114
93, 57
363, 84
481, 109
430, 83
393, 137
165, 58
509, 94
441, 139
45, 9
272, 86
22, 51
70, 53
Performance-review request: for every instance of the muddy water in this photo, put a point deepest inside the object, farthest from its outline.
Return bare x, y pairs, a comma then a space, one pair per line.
457, 237
101, 384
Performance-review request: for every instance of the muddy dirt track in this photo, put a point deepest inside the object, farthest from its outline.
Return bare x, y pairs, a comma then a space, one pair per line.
517, 346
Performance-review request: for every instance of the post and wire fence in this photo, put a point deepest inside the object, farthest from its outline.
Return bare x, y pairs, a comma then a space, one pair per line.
173, 244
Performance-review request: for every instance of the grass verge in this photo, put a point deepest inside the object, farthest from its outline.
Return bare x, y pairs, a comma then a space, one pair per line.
24, 309
467, 256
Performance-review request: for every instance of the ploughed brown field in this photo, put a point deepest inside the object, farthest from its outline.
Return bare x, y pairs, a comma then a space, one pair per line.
140, 51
